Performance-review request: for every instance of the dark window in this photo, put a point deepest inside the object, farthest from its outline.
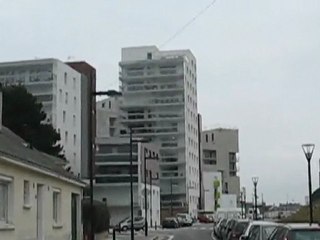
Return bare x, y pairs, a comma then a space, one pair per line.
212, 137
109, 104
103, 105
206, 137
149, 55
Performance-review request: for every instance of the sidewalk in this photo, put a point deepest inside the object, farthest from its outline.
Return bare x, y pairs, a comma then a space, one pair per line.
137, 236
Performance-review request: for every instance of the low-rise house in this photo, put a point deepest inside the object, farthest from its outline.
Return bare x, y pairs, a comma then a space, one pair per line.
38, 198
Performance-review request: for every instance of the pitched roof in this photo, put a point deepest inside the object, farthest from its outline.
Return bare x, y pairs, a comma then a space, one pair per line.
14, 147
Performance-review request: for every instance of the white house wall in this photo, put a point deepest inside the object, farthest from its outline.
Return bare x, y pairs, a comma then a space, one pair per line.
24, 220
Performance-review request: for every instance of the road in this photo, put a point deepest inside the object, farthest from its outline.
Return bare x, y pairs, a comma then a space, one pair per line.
197, 231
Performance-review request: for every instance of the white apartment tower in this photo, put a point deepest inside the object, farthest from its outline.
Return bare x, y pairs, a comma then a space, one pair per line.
160, 103
58, 87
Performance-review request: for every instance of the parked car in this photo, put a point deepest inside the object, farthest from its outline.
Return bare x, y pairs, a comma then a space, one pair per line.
184, 219
216, 227
125, 224
230, 224
296, 232
205, 219
259, 230
170, 222
238, 229
221, 228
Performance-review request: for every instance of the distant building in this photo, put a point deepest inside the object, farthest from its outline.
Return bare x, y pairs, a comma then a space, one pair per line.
210, 200
38, 198
219, 154
88, 87
109, 116
160, 102
59, 88
112, 178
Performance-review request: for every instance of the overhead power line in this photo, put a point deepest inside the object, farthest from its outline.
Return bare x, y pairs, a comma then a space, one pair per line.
180, 30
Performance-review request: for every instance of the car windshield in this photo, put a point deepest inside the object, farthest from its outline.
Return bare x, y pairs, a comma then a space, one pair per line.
307, 234
241, 227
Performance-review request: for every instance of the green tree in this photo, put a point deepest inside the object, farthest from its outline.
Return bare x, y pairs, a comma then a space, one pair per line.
23, 115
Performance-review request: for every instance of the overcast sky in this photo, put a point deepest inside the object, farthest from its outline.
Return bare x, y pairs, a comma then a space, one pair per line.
258, 67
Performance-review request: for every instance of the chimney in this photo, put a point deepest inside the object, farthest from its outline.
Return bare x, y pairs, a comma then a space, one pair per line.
0, 109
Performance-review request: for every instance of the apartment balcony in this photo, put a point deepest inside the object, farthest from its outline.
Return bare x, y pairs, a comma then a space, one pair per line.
158, 131
115, 158
156, 102
125, 76
175, 163
172, 175
102, 179
152, 88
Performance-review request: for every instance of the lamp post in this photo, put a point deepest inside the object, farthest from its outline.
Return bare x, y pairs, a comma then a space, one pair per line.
91, 151
152, 179
255, 183
308, 151
244, 201
145, 188
241, 203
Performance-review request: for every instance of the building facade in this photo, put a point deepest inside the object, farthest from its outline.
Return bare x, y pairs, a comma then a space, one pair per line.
59, 88
212, 184
220, 148
160, 102
112, 178
109, 116
88, 87
38, 198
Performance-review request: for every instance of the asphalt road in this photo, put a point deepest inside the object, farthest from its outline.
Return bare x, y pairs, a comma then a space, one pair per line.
196, 232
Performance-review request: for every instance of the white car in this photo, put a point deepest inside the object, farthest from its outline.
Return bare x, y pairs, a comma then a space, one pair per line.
184, 219
263, 228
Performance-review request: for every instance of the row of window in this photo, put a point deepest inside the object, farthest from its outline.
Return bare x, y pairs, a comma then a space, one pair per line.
212, 137
64, 118
74, 81
7, 200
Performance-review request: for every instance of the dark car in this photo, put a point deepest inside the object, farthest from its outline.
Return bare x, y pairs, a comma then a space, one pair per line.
230, 224
170, 223
296, 232
221, 228
205, 219
238, 229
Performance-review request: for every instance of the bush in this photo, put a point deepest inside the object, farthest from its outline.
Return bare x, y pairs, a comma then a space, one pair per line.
100, 216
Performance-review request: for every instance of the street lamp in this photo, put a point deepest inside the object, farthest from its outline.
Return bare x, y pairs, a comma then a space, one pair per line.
152, 179
145, 188
255, 183
308, 151
244, 201
131, 177
91, 151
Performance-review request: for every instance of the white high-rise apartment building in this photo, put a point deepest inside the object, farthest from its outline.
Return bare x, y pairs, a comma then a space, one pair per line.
160, 102
58, 87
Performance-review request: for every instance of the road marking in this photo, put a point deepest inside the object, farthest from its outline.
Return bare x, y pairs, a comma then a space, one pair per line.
170, 237
212, 236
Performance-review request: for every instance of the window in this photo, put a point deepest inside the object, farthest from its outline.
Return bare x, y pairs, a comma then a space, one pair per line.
66, 98
109, 104
74, 139
149, 55
4, 201
64, 116
206, 137
74, 120
212, 137
66, 137
56, 206
103, 105
65, 78
60, 95
74, 83
75, 102
26, 193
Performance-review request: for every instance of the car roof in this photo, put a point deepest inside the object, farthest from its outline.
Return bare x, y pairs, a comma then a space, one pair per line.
263, 223
302, 226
